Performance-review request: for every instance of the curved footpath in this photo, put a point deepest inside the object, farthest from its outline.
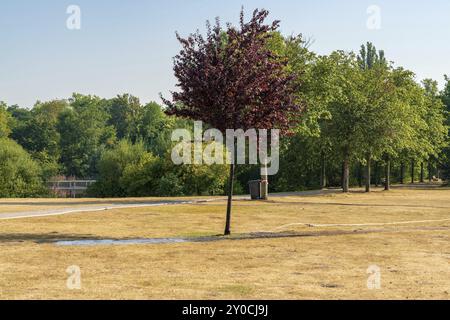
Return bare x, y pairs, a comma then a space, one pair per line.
111, 206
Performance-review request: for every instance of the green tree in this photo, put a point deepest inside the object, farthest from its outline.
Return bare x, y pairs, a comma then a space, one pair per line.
84, 134
5, 121
445, 97
345, 128
120, 171
154, 128
373, 64
124, 111
20, 175
437, 129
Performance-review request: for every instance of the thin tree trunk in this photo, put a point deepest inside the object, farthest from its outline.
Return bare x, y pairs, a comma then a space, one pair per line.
323, 173
436, 169
368, 159
422, 173
230, 192
413, 164
377, 173
360, 175
430, 176
387, 174
402, 173
346, 174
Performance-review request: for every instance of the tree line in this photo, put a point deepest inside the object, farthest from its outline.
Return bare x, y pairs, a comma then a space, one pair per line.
349, 119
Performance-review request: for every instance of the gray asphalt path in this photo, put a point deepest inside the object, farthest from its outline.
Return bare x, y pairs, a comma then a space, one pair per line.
112, 206
80, 209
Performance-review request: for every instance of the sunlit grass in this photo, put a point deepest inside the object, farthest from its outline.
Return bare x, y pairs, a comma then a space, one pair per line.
326, 262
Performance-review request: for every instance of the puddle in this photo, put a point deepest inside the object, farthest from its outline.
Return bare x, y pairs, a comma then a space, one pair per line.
107, 242
247, 236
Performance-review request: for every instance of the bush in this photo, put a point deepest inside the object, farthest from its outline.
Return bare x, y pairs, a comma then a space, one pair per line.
140, 179
20, 176
170, 186
120, 171
129, 170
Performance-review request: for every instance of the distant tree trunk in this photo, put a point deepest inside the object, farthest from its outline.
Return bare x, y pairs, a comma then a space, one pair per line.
368, 159
402, 172
387, 174
230, 192
376, 173
413, 164
323, 172
422, 173
346, 174
438, 171
360, 178
430, 175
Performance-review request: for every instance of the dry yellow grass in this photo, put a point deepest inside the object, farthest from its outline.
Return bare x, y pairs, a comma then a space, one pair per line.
320, 263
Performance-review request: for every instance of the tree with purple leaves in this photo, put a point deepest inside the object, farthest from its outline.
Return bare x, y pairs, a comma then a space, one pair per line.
230, 79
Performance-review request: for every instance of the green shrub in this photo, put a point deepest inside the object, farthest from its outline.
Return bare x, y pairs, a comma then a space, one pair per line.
170, 186
120, 170
20, 176
129, 170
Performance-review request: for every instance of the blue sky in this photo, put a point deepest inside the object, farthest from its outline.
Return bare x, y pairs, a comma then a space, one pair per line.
127, 46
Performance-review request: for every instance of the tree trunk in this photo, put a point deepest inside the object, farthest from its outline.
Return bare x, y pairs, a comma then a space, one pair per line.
368, 159
387, 174
422, 173
230, 192
345, 174
360, 175
402, 173
377, 173
323, 173
430, 176
413, 164
436, 169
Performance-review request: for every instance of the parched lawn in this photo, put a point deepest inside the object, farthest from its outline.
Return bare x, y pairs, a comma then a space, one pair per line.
324, 262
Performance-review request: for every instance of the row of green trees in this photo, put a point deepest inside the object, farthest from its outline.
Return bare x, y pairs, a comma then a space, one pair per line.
365, 121
124, 145
348, 108
363, 112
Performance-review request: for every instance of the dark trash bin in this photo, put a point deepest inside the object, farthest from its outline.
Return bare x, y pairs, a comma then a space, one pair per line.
255, 189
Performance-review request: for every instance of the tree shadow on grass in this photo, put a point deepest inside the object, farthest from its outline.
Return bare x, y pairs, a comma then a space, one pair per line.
81, 240
277, 203
42, 238
46, 238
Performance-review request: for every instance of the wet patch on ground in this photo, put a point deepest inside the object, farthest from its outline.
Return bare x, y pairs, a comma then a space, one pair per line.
247, 236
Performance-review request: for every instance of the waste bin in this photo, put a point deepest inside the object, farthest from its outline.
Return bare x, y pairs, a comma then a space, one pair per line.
255, 189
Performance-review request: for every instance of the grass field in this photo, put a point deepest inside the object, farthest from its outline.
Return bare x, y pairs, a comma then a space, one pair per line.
328, 261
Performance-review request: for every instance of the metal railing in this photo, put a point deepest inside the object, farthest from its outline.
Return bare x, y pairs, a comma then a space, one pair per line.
70, 188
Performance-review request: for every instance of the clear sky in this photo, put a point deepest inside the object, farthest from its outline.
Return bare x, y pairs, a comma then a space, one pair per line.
127, 46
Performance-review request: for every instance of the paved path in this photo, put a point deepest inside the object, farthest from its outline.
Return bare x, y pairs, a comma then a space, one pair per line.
112, 206
100, 207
